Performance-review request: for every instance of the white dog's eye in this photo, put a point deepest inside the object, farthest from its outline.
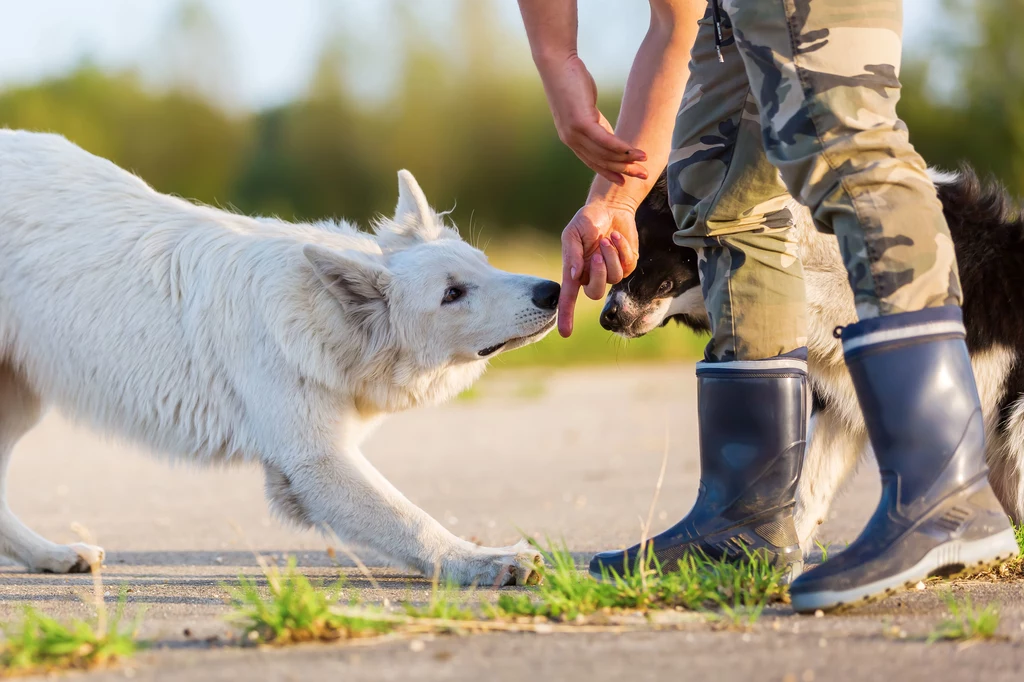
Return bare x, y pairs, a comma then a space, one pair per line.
665, 287
453, 294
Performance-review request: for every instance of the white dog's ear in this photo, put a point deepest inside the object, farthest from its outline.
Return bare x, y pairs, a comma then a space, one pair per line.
358, 283
412, 209
414, 222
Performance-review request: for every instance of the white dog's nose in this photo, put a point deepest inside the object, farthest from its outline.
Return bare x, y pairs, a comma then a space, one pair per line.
545, 295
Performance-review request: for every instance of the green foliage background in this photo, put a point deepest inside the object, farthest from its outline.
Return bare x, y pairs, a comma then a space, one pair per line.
468, 117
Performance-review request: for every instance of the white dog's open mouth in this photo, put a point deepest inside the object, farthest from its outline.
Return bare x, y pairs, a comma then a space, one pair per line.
491, 350
517, 341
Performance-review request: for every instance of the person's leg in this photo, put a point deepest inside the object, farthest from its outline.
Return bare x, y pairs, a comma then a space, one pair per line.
826, 77
731, 205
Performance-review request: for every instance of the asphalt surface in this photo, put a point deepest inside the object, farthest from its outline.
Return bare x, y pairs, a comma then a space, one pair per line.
571, 455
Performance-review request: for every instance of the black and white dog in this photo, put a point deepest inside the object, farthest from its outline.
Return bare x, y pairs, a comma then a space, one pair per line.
988, 233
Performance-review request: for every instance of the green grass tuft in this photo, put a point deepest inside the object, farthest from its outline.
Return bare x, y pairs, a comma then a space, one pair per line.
41, 644
740, 590
966, 622
446, 603
297, 610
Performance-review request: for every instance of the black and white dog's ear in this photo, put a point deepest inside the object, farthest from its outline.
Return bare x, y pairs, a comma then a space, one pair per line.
357, 282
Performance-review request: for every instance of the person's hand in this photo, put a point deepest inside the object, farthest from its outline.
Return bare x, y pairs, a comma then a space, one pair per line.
599, 246
572, 95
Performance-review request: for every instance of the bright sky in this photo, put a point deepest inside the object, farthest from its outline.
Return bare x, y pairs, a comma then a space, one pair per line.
272, 44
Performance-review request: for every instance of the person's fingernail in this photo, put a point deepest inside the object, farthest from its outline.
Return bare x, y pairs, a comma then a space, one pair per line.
605, 242
616, 237
597, 259
572, 272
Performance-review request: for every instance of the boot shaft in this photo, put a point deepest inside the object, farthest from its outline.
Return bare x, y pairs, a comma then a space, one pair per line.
913, 378
753, 426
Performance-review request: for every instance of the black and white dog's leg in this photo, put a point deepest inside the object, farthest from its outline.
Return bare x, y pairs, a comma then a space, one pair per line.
1005, 455
832, 454
19, 412
342, 491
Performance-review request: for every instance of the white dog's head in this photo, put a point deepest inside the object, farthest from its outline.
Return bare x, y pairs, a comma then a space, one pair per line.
429, 297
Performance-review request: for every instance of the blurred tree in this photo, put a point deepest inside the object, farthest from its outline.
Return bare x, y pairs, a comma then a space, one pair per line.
466, 122
312, 158
194, 57
467, 119
177, 142
982, 118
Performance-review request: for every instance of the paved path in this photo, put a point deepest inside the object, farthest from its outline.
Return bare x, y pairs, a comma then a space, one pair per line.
570, 455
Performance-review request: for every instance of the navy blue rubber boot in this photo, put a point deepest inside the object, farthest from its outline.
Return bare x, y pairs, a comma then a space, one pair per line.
937, 515
753, 426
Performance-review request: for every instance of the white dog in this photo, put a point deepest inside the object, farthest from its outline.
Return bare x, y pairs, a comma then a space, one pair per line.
218, 337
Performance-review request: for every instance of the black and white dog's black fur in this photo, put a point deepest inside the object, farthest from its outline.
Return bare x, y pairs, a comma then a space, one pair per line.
988, 234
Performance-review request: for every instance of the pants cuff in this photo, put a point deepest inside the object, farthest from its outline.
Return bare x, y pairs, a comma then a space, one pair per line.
920, 324
794, 361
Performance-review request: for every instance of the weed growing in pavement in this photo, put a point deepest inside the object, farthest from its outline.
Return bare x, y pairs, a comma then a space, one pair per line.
1015, 566
297, 610
740, 590
965, 622
446, 603
40, 644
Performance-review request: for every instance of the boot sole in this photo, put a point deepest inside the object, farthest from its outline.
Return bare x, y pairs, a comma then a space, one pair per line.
976, 556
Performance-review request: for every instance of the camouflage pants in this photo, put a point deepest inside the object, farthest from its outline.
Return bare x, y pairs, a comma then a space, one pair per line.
803, 104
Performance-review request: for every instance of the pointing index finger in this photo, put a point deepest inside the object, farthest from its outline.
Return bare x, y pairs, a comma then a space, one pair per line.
566, 305
572, 273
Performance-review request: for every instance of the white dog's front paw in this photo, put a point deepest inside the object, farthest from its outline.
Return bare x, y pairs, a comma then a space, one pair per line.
74, 558
500, 566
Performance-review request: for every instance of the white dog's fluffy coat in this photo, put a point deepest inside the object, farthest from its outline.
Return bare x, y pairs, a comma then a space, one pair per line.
218, 337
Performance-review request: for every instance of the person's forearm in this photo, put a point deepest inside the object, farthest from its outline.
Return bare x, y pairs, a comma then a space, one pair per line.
551, 27
651, 100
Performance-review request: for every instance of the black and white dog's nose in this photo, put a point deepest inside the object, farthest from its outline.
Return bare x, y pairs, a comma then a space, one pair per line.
545, 295
610, 316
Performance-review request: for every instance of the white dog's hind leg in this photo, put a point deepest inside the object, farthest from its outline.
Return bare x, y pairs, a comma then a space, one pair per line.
19, 411
832, 455
345, 493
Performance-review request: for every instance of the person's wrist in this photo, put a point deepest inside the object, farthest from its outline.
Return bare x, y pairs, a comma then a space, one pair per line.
552, 60
611, 205
620, 197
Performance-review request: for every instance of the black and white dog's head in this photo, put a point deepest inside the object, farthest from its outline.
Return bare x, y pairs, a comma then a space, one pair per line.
665, 285
986, 225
